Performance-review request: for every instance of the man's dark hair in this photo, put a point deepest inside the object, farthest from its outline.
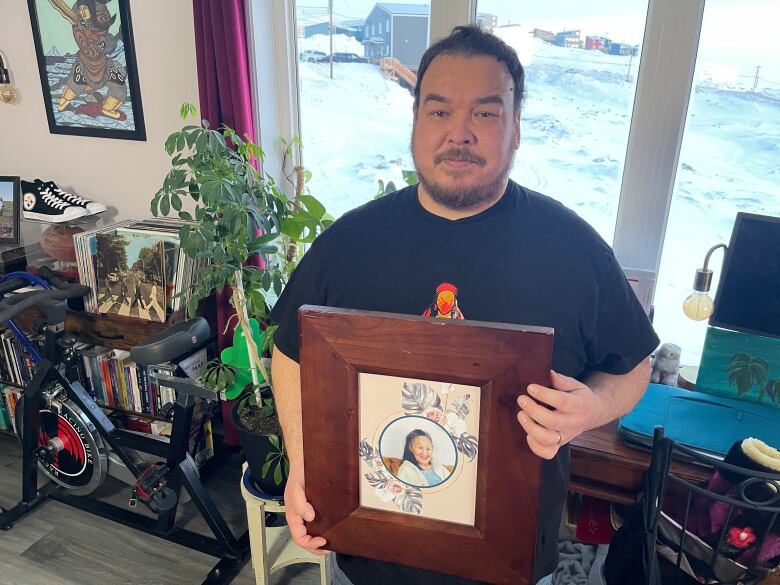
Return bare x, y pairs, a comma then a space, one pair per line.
408, 455
472, 41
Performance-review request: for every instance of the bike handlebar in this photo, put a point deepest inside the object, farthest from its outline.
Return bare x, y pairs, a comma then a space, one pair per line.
17, 304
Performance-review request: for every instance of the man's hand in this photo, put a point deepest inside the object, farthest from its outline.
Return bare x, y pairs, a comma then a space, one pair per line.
554, 416
298, 511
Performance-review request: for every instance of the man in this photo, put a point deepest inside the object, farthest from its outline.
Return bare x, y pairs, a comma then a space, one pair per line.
515, 256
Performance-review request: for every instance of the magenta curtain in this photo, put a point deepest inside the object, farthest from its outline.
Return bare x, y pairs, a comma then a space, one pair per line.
225, 88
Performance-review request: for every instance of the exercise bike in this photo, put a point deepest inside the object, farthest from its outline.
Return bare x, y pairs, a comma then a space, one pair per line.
67, 436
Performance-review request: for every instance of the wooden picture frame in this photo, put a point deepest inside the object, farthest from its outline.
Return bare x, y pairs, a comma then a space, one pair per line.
88, 69
10, 209
340, 347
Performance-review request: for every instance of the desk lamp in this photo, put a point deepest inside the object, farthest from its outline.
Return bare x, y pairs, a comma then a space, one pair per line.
7, 91
699, 306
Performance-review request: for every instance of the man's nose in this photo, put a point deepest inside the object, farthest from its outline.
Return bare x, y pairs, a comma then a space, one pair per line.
460, 130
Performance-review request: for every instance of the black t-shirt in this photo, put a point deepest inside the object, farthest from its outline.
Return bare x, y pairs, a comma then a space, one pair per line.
525, 260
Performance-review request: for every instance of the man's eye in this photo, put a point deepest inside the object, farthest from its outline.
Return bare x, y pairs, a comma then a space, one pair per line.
438, 113
485, 114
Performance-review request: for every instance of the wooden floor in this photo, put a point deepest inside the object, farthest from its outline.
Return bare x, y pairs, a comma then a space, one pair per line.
61, 545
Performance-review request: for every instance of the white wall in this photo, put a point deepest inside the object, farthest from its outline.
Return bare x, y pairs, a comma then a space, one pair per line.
123, 174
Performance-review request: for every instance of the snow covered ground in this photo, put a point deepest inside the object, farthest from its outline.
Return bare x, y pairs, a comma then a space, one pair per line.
356, 130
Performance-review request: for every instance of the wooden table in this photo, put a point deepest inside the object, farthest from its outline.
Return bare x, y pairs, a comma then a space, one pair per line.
603, 466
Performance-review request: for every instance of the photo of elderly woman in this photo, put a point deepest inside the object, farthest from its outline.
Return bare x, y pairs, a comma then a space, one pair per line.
419, 468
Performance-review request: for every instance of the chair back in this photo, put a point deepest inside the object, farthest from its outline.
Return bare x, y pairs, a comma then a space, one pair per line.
725, 532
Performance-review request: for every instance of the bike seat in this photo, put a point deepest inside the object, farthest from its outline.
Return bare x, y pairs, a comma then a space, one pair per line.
171, 343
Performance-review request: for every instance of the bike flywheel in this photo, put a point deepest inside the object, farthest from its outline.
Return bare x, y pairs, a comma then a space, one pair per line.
69, 449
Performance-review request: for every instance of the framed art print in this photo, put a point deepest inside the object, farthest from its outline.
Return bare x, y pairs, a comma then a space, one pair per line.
10, 197
87, 65
411, 436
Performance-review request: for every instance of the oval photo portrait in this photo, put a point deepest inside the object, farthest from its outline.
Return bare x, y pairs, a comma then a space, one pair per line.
418, 451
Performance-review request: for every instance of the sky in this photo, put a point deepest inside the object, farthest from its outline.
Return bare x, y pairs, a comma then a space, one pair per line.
6, 190
729, 22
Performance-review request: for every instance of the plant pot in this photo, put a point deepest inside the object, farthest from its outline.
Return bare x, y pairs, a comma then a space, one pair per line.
258, 449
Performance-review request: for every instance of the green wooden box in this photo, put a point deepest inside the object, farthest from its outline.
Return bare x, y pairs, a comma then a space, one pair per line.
740, 365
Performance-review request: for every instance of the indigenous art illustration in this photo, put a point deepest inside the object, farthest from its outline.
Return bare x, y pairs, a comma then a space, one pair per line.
87, 66
419, 446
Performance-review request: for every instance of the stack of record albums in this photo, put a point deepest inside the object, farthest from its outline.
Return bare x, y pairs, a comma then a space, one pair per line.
136, 268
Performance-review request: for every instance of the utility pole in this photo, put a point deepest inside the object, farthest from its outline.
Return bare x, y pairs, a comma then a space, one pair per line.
330, 30
755, 81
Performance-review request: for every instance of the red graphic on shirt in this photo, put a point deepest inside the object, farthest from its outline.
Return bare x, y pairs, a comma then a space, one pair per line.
445, 304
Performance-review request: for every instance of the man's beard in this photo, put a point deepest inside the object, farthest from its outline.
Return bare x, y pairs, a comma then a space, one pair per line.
463, 197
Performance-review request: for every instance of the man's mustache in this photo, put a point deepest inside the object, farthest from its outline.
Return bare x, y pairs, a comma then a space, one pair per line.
459, 154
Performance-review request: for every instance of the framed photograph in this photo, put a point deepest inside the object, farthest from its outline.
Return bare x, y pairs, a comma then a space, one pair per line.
413, 452
10, 197
86, 60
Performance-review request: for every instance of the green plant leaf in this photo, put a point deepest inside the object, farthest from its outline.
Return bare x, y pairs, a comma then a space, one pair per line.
176, 202
274, 440
165, 204
313, 206
410, 177
266, 467
278, 475
170, 144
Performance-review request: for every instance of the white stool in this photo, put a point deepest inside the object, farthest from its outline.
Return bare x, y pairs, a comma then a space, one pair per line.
272, 547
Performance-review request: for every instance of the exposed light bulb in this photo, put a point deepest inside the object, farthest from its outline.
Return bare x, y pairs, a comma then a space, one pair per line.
7, 93
698, 306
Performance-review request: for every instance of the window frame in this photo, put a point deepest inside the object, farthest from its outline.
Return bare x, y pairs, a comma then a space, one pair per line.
663, 90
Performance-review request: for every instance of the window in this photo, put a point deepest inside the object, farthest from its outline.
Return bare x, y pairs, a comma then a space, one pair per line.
729, 155
387, 26
356, 127
654, 155
581, 67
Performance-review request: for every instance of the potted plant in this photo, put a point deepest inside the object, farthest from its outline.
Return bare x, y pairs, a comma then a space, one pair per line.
237, 213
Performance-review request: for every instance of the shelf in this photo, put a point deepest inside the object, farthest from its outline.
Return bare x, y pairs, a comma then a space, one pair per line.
132, 412
115, 331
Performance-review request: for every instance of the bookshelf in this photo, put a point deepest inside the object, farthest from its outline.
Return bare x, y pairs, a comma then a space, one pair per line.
114, 332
